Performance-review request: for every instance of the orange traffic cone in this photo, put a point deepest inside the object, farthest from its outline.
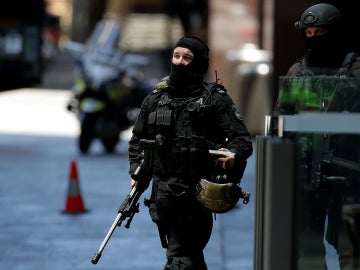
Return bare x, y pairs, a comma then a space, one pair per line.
74, 202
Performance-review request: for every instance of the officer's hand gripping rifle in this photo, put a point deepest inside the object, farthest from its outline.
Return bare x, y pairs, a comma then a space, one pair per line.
130, 205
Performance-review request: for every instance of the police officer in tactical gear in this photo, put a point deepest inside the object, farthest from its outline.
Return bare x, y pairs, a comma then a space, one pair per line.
328, 54
186, 117
328, 57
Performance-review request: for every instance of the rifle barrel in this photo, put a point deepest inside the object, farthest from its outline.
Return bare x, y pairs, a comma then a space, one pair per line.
97, 254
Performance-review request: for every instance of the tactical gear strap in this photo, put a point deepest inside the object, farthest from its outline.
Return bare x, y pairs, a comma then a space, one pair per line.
350, 58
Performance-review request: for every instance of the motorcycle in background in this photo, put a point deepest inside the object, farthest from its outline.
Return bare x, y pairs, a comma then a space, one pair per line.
108, 89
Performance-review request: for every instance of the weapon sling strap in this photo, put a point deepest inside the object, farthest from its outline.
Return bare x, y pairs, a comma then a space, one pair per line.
349, 59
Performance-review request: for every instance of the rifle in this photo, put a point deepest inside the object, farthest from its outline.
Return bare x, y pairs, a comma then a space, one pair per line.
130, 206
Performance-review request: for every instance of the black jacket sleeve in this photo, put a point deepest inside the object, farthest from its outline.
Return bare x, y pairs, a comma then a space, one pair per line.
234, 128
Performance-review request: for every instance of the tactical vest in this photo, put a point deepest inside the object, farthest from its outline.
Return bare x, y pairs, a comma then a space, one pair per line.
183, 125
343, 71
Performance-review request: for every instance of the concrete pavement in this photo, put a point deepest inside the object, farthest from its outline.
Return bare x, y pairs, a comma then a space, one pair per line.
37, 144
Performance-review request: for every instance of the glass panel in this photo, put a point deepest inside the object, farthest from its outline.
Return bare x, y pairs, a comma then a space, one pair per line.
328, 201
326, 94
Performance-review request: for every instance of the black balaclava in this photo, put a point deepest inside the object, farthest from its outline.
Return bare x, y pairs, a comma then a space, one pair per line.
188, 79
326, 50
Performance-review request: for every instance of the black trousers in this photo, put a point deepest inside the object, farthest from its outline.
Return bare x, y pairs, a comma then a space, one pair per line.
183, 221
188, 230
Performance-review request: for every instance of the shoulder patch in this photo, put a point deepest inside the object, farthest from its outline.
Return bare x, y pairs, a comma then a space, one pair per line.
237, 112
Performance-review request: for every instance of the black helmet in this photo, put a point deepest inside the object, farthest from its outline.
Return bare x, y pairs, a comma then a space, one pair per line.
319, 15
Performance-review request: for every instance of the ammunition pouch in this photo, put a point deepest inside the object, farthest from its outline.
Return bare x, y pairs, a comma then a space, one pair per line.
183, 157
169, 196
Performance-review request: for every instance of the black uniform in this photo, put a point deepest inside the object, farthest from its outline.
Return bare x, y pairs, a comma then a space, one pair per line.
186, 121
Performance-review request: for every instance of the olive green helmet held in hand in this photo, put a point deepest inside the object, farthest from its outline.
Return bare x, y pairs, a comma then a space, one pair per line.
220, 197
221, 191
